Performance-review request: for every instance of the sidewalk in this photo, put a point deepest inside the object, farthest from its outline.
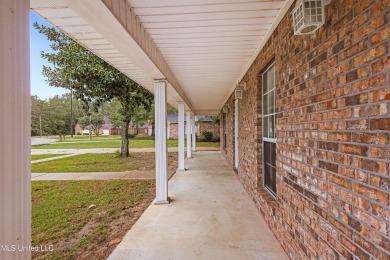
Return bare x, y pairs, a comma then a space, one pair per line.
210, 217
41, 141
77, 176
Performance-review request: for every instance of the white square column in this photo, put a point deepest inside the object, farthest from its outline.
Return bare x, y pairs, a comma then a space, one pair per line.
15, 133
160, 110
181, 136
188, 132
193, 133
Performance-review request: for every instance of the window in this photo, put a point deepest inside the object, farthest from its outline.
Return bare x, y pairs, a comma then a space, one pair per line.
269, 133
224, 130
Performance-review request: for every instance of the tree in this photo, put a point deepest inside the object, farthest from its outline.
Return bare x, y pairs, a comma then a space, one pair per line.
171, 109
37, 116
92, 79
53, 116
141, 117
115, 113
215, 119
57, 118
94, 122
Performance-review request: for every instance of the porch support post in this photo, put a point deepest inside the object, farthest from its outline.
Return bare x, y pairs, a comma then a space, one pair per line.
193, 133
15, 137
181, 135
188, 131
160, 102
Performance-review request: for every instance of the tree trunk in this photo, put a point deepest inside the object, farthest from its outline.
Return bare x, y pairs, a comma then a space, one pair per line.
89, 128
125, 138
152, 128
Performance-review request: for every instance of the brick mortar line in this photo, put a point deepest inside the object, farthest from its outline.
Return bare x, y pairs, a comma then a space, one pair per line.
339, 152
299, 225
339, 175
328, 222
338, 196
327, 90
341, 163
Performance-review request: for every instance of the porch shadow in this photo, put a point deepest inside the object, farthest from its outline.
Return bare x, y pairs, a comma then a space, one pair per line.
210, 217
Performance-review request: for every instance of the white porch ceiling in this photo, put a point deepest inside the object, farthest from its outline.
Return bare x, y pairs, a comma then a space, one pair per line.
207, 44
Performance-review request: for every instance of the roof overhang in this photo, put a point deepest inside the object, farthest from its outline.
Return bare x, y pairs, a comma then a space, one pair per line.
202, 48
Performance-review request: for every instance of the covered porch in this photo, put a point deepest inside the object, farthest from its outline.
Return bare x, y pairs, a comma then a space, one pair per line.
210, 217
305, 121
160, 45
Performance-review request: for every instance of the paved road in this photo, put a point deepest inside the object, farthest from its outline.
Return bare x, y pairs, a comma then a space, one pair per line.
40, 141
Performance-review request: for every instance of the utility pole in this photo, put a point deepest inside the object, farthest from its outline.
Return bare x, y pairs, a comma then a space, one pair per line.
71, 112
40, 125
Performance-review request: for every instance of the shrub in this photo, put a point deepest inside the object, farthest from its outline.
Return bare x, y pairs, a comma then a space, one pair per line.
208, 135
131, 135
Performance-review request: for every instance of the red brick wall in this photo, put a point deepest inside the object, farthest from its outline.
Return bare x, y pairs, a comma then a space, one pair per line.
332, 96
173, 131
208, 126
229, 151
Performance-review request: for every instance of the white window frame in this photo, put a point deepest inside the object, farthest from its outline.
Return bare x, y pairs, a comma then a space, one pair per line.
267, 139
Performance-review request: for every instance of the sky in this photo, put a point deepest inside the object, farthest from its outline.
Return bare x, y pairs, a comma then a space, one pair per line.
38, 43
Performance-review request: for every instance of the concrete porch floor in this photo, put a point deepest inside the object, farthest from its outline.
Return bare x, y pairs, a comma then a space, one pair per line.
210, 217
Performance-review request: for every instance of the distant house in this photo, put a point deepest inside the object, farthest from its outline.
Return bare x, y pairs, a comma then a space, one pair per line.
143, 129
78, 130
205, 123
173, 126
106, 128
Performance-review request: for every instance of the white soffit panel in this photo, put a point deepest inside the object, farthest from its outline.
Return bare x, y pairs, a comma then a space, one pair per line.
207, 43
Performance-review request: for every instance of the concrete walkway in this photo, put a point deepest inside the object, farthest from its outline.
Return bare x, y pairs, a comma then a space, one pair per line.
77, 176
210, 217
41, 141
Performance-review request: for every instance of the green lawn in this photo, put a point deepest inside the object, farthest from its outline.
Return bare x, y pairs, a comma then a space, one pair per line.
77, 138
35, 157
61, 216
134, 143
106, 162
80, 145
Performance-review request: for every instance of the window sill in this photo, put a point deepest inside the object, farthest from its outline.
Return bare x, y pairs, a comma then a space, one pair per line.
267, 197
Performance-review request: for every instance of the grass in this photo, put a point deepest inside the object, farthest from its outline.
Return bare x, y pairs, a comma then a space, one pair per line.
61, 216
134, 143
76, 138
105, 162
80, 145
35, 157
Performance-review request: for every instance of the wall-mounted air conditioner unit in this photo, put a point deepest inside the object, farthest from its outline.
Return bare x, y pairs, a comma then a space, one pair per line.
308, 16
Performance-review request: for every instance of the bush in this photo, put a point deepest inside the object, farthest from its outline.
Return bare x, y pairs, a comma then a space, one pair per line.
208, 135
131, 135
